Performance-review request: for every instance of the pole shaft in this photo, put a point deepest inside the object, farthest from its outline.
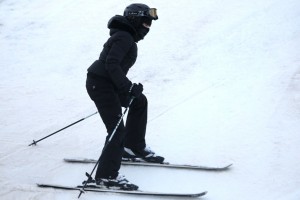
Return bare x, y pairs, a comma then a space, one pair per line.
110, 138
34, 142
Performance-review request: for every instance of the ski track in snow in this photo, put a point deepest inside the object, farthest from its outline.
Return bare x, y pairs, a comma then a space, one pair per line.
222, 80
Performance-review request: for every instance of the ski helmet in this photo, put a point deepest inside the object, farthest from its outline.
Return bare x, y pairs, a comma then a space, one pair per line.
140, 16
140, 10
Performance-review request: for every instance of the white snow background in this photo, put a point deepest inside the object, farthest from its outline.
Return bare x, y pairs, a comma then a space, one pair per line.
222, 79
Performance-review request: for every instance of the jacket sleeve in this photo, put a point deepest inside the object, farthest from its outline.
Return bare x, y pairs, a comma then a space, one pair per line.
120, 45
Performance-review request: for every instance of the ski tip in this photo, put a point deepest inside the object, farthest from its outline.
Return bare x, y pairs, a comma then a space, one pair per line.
228, 166
199, 194
225, 168
204, 193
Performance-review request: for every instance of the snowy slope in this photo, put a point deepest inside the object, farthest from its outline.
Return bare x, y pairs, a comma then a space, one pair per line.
222, 79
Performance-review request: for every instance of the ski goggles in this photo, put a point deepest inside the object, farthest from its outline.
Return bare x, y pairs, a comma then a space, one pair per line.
151, 13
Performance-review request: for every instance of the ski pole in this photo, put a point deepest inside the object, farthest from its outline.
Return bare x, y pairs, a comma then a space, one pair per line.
105, 146
35, 142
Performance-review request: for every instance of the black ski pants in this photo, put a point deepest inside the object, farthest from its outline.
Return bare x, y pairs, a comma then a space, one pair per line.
109, 104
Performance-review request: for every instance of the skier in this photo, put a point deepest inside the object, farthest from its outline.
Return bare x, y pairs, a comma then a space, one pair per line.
110, 89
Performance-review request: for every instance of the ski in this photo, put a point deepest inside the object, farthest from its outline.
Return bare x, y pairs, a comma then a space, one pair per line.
140, 162
129, 192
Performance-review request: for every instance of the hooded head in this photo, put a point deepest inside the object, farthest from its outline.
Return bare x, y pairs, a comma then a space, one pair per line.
140, 17
119, 22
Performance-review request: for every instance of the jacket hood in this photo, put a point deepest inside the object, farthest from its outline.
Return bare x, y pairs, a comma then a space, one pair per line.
119, 22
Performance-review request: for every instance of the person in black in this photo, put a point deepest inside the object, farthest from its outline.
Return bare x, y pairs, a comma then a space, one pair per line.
110, 89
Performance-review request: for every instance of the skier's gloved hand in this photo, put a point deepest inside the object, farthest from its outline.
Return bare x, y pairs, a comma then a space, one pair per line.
136, 90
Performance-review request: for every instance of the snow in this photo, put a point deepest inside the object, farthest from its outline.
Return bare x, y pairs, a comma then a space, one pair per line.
222, 79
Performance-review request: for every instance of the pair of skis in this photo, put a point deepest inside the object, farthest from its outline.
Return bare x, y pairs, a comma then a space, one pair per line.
139, 162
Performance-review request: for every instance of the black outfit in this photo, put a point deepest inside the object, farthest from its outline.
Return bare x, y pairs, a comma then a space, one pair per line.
108, 86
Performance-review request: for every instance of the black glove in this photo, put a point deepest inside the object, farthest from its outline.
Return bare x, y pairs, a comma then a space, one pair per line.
136, 90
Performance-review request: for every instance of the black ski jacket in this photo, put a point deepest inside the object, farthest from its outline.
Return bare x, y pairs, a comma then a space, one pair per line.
118, 55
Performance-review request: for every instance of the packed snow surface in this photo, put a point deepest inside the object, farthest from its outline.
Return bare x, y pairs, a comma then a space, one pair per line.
222, 79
